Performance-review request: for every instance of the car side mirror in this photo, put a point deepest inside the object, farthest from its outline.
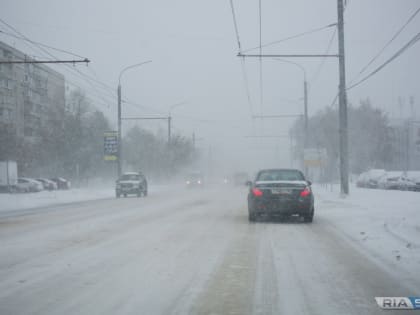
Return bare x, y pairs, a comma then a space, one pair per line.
309, 182
248, 183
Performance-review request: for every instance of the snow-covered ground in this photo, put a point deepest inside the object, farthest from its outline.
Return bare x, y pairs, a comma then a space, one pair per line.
384, 223
193, 251
10, 202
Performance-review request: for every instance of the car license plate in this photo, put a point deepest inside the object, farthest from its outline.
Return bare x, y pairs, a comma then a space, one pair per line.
281, 191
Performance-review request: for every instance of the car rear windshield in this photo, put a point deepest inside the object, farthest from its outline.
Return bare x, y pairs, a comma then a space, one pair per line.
274, 175
130, 177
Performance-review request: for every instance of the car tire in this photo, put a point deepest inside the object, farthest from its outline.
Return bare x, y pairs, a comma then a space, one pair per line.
145, 193
139, 194
251, 213
125, 195
251, 217
309, 217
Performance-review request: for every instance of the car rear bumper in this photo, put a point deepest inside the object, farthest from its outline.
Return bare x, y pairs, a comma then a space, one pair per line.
282, 207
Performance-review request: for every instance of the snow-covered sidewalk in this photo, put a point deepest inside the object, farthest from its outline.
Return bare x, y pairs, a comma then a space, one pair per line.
386, 223
10, 202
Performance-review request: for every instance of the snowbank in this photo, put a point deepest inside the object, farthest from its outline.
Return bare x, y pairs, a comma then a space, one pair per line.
386, 223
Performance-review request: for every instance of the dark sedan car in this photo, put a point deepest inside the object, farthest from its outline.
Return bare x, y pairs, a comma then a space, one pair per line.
280, 192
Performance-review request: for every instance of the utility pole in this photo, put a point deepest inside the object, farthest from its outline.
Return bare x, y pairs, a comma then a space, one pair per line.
169, 129
119, 166
170, 119
343, 131
306, 142
119, 133
342, 101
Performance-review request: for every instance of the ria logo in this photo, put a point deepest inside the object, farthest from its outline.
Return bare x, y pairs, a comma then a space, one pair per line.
398, 303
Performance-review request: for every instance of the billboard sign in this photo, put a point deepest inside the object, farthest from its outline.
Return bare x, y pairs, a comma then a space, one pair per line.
110, 146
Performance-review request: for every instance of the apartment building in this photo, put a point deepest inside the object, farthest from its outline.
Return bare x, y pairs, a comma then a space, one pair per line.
31, 95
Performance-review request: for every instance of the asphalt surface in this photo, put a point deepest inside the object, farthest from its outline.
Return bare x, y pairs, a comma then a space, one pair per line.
183, 252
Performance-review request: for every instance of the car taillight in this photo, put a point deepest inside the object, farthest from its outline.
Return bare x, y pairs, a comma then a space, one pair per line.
256, 192
306, 192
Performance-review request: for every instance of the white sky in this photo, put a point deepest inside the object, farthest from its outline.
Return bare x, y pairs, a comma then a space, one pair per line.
193, 47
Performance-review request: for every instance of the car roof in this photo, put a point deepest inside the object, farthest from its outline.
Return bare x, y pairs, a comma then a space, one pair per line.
279, 169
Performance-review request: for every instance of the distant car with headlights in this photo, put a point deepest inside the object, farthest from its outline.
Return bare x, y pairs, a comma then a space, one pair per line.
194, 180
280, 192
131, 183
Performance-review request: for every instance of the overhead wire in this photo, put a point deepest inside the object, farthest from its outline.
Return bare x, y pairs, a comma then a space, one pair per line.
243, 65
260, 61
290, 37
235, 24
322, 63
41, 44
387, 44
74, 71
44, 52
414, 40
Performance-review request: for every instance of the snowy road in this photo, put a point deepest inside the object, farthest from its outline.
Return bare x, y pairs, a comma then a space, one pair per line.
189, 252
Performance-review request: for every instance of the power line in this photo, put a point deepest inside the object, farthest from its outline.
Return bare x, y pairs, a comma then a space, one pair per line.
327, 51
334, 102
246, 83
387, 44
243, 66
80, 74
40, 44
415, 39
44, 51
292, 37
260, 62
42, 61
235, 24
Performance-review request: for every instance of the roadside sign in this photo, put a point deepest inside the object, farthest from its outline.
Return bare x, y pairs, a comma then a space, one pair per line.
417, 138
110, 146
315, 157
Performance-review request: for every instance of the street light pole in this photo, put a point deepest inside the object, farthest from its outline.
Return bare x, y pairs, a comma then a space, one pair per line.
305, 109
170, 120
119, 114
119, 132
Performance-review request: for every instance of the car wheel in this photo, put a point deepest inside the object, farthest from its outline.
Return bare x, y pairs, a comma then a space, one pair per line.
117, 195
145, 193
125, 195
251, 213
309, 217
139, 194
251, 217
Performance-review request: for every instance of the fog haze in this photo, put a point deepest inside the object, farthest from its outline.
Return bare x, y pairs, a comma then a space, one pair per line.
193, 47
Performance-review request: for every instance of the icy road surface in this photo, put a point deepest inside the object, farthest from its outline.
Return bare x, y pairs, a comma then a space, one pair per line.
194, 252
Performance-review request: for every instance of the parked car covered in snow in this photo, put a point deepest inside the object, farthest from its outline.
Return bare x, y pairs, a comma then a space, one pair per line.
62, 183
48, 184
373, 176
28, 185
362, 180
390, 180
414, 177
